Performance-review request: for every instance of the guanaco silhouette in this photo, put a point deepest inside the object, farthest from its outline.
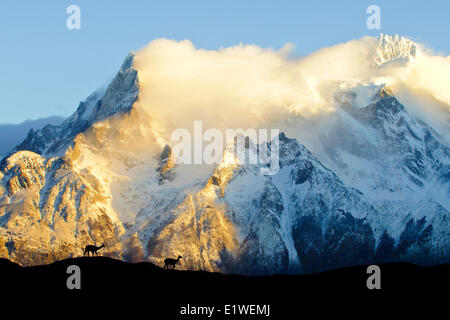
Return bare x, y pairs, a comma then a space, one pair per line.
171, 262
93, 249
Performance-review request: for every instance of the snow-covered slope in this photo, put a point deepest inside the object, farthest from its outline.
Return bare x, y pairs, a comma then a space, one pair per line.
386, 153
366, 183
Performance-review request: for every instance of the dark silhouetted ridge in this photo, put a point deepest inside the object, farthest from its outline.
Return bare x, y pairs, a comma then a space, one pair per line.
163, 292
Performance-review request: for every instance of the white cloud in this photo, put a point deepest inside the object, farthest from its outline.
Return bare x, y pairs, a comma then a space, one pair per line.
248, 86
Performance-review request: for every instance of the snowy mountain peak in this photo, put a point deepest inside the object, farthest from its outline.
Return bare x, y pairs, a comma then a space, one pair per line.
118, 98
384, 104
128, 62
384, 92
393, 49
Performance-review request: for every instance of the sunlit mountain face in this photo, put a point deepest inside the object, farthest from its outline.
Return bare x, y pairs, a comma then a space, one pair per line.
363, 173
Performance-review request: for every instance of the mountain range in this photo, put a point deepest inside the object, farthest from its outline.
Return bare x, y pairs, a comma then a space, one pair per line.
13, 134
366, 183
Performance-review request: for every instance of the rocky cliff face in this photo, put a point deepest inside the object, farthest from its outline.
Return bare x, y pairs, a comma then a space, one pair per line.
49, 212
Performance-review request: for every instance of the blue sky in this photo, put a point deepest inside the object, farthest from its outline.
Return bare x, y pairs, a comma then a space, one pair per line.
47, 69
